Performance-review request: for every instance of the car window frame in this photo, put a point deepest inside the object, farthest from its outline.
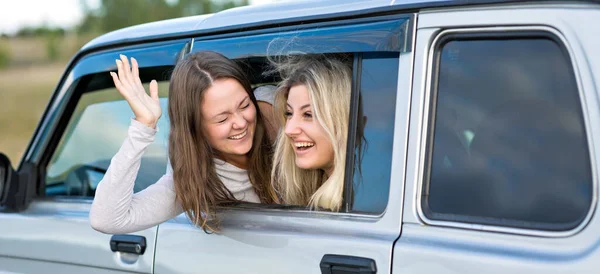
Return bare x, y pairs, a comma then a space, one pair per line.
74, 122
426, 139
64, 100
216, 43
70, 92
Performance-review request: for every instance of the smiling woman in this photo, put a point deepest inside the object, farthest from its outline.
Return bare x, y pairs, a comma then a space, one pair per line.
308, 138
217, 148
313, 103
230, 119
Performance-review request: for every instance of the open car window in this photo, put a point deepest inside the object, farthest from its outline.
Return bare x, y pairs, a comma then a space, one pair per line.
94, 134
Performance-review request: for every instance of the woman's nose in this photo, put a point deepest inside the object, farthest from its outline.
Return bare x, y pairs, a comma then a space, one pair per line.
239, 121
291, 127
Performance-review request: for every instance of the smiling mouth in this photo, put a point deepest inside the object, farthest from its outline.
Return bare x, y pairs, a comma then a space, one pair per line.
239, 136
302, 146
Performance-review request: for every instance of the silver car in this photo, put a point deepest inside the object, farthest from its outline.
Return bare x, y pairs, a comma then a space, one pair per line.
482, 140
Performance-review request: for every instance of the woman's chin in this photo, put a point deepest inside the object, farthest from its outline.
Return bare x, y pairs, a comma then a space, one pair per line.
243, 149
304, 164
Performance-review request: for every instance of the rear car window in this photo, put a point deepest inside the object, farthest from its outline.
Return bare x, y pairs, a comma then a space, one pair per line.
507, 140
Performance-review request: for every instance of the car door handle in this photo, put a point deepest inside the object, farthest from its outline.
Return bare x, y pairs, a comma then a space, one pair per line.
341, 264
128, 243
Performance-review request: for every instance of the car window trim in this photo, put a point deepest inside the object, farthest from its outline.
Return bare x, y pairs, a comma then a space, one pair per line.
54, 123
346, 209
429, 113
408, 33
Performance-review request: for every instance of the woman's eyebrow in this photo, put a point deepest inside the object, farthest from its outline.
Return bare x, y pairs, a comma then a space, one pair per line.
227, 111
243, 100
301, 108
222, 113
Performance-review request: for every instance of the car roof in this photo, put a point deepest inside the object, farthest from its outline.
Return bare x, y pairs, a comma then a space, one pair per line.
271, 14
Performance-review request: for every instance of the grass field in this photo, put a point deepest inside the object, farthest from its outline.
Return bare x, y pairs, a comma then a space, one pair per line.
25, 87
24, 93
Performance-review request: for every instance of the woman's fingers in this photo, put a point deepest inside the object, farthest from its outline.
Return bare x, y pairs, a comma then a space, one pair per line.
128, 83
121, 73
136, 74
154, 90
119, 85
135, 69
127, 70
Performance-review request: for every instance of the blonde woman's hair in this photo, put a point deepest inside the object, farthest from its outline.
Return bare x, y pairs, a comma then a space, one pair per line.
328, 82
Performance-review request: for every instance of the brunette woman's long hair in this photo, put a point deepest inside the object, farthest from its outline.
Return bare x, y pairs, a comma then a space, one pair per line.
198, 189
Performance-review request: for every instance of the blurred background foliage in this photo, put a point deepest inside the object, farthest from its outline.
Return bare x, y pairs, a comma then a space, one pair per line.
116, 14
33, 58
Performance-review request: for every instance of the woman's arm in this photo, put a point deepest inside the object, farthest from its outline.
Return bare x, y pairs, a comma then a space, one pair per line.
115, 208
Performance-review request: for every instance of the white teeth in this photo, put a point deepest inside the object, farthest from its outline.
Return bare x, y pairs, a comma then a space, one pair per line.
304, 144
240, 136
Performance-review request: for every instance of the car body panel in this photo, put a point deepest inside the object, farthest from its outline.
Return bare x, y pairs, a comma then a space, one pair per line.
472, 248
54, 235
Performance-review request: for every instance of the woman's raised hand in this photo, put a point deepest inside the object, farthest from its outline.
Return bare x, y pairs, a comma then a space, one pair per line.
145, 108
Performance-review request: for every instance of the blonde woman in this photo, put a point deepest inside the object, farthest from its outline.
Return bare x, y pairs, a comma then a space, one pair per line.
313, 105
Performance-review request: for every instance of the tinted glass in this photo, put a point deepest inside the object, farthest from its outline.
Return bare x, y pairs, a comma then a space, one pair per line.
382, 36
509, 144
95, 133
378, 84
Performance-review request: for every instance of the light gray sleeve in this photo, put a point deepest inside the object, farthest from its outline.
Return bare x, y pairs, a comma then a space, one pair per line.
265, 93
116, 209
169, 170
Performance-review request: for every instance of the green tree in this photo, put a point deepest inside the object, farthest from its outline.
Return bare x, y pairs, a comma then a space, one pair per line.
4, 53
117, 14
40, 31
52, 45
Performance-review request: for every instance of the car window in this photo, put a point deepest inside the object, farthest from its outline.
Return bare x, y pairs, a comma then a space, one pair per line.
508, 143
378, 78
378, 84
375, 48
93, 136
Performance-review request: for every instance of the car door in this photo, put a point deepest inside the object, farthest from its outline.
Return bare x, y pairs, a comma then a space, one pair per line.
501, 174
84, 125
279, 239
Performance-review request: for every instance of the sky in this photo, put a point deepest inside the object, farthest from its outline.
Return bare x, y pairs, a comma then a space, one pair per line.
54, 13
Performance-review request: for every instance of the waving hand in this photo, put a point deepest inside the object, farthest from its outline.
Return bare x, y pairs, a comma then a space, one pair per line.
146, 108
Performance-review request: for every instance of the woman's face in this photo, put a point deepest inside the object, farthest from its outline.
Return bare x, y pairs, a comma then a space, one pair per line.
308, 138
229, 118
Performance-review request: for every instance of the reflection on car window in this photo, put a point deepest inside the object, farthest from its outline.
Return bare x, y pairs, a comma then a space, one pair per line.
95, 133
509, 145
379, 80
